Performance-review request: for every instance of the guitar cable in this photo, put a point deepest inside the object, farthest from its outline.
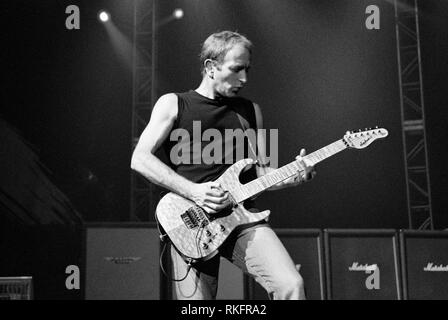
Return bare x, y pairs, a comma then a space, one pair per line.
188, 261
165, 239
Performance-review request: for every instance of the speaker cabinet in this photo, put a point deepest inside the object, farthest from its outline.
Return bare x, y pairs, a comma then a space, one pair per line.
424, 256
122, 262
306, 250
362, 264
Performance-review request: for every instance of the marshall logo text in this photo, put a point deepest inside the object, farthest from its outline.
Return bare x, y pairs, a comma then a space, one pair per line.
362, 267
431, 267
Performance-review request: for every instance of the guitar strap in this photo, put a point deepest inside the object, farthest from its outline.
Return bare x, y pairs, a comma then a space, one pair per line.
245, 127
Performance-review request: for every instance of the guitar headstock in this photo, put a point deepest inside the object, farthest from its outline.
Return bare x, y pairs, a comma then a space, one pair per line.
362, 138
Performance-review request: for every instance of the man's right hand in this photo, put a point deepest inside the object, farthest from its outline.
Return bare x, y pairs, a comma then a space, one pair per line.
210, 197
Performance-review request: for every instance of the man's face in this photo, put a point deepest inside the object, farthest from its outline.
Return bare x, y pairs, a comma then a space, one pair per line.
231, 75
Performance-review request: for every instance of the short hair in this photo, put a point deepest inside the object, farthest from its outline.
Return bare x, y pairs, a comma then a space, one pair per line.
216, 46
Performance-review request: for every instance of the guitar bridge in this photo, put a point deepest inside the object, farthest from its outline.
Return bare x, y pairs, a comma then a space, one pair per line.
194, 217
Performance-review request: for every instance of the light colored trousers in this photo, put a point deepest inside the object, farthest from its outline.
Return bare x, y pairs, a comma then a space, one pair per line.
258, 252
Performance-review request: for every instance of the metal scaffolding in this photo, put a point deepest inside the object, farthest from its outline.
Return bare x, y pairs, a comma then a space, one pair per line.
413, 114
142, 200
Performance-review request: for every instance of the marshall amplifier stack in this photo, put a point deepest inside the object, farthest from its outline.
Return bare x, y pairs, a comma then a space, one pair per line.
122, 261
425, 264
366, 264
362, 264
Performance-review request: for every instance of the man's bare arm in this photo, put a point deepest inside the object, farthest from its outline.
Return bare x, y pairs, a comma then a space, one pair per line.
208, 195
156, 132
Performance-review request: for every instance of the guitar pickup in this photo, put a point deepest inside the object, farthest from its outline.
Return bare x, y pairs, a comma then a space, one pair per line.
194, 217
191, 224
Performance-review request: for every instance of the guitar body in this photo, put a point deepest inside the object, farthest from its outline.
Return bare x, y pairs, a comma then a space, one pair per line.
196, 234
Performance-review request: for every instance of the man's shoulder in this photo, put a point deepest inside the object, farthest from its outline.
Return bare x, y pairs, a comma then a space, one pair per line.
167, 105
168, 97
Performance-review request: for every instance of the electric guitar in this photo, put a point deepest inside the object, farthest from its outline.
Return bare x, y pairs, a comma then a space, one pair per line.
197, 235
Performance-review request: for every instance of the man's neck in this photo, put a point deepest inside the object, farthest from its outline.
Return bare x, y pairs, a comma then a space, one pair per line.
206, 89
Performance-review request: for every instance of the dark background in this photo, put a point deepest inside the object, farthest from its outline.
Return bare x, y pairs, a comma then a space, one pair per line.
316, 72
70, 95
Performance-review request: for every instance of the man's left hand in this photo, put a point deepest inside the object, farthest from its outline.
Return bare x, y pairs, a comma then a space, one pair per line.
308, 172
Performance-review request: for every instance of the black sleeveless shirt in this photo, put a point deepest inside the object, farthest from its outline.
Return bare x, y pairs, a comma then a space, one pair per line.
198, 147
207, 136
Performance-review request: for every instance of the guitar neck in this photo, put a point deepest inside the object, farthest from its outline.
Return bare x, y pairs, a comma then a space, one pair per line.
260, 184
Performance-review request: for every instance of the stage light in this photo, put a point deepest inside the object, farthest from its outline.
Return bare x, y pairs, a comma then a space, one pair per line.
104, 16
178, 13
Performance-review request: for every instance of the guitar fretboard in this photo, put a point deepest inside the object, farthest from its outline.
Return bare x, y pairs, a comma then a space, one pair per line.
258, 185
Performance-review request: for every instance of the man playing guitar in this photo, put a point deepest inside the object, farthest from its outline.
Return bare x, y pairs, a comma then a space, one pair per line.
253, 247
